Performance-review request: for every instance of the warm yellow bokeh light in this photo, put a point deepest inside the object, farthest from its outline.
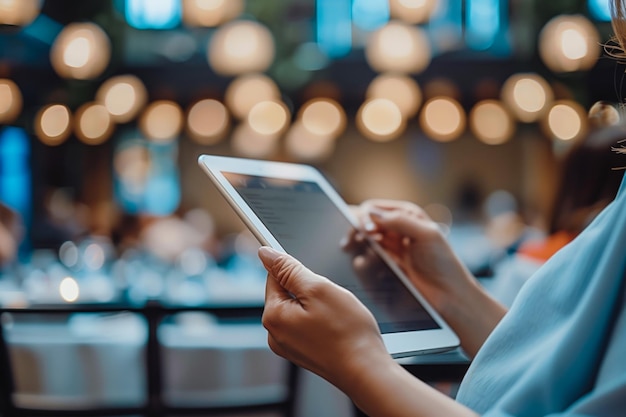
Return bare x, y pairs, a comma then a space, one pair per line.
162, 121
207, 121
569, 43
306, 146
93, 124
53, 124
322, 117
398, 47
527, 96
123, 96
10, 101
81, 51
491, 122
211, 13
443, 119
19, 12
412, 11
380, 119
566, 121
249, 143
241, 47
246, 91
268, 118
69, 289
400, 89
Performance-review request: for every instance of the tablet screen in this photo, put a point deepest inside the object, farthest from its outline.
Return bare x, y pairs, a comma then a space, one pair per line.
311, 228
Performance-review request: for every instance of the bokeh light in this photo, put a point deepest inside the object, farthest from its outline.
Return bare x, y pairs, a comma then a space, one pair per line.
569, 43
93, 124
53, 124
69, 289
528, 96
246, 91
124, 96
380, 120
322, 117
81, 51
566, 121
443, 119
398, 47
241, 47
412, 11
602, 114
162, 121
491, 122
401, 89
249, 143
304, 145
268, 118
10, 101
19, 12
210, 13
207, 121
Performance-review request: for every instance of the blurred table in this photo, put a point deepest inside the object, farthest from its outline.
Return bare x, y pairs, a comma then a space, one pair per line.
147, 360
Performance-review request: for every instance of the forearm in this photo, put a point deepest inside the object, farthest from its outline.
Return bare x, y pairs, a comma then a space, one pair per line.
385, 389
472, 313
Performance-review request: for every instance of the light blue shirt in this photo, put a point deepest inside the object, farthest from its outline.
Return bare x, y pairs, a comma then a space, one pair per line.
561, 349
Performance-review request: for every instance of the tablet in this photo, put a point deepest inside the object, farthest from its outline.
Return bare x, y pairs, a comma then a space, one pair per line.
293, 208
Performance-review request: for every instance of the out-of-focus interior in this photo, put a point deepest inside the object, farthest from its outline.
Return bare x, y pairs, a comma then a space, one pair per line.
112, 239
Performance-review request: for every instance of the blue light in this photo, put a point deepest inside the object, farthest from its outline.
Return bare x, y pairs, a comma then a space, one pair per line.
15, 178
334, 27
153, 14
370, 14
482, 23
445, 27
600, 10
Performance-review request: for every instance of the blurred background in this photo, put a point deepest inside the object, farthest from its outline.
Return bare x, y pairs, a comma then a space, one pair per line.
466, 107
107, 104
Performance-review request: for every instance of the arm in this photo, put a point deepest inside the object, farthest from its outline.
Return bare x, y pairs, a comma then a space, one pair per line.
416, 243
301, 311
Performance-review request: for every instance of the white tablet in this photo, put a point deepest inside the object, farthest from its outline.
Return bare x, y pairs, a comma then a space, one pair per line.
294, 209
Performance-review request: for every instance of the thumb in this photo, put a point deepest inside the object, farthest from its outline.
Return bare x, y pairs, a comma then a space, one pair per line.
290, 274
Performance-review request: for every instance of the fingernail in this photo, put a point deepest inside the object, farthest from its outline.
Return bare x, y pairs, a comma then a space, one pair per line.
369, 226
375, 213
268, 255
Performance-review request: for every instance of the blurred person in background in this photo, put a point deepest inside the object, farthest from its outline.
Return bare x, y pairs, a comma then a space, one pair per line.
589, 180
559, 350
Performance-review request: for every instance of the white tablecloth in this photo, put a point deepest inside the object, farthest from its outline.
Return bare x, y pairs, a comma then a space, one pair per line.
100, 360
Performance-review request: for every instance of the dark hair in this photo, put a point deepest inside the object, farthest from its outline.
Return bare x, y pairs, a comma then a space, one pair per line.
590, 179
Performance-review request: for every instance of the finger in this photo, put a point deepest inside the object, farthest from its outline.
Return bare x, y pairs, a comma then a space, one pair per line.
385, 204
402, 223
274, 293
289, 273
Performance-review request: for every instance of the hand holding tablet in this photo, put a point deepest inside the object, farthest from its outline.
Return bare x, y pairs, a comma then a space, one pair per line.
294, 209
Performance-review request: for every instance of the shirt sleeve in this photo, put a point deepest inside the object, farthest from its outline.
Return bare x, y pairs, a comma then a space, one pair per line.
607, 398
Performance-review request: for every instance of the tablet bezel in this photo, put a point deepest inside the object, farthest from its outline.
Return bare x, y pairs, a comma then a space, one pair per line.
398, 344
